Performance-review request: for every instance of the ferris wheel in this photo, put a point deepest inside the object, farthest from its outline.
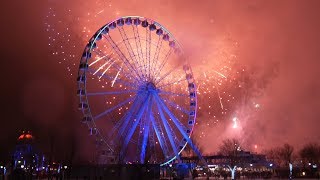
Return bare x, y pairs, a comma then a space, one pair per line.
137, 92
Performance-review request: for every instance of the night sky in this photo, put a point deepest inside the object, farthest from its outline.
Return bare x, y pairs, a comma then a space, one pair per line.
276, 42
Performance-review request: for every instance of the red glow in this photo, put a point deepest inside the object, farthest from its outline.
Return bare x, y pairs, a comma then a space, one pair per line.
25, 136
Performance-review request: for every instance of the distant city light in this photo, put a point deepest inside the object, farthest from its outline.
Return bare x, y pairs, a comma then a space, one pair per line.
271, 165
22, 166
251, 165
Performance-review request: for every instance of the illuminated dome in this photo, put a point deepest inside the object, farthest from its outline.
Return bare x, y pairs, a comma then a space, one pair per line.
25, 155
26, 135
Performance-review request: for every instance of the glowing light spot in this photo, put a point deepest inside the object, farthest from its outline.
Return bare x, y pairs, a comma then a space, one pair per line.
235, 123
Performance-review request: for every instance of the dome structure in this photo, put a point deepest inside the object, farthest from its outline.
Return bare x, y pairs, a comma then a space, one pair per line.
25, 137
26, 156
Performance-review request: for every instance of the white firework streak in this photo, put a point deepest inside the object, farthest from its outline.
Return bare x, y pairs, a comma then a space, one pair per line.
178, 79
100, 11
98, 60
101, 67
220, 74
106, 70
198, 88
114, 80
219, 95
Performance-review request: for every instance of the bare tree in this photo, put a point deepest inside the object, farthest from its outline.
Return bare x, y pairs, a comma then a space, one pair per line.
286, 154
310, 153
273, 155
231, 149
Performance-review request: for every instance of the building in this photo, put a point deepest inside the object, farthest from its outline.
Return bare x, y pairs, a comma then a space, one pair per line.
249, 165
25, 156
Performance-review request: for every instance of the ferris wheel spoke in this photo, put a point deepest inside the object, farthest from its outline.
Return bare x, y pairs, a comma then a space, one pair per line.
121, 55
113, 108
116, 66
179, 127
148, 50
171, 83
164, 61
156, 56
123, 122
139, 46
160, 135
165, 107
178, 107
168, 73
110, 92
162, 102
128, 84
128, 118
134, 126
129, 48
167, 128
139, 53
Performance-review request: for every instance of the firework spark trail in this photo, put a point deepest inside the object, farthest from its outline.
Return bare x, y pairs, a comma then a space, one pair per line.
220, 74
221, 105
100, 12
114, 80
97, 60
106, 70
179, 79
101, 67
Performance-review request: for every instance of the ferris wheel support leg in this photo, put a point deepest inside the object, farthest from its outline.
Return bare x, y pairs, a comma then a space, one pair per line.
145, 136
181, 130
158, 134
128, 137
167, 128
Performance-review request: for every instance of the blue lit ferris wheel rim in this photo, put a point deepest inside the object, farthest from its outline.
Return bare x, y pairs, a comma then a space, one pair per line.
84, 103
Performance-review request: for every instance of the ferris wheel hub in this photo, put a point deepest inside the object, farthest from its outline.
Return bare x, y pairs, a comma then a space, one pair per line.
148, 87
